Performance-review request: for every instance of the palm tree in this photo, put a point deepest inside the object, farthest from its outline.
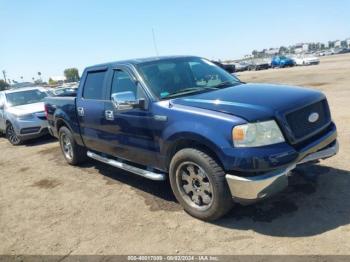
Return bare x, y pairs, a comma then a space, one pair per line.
39, 74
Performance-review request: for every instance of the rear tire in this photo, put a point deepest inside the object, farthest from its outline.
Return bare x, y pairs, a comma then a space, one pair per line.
199, 184
72, 152
12, 136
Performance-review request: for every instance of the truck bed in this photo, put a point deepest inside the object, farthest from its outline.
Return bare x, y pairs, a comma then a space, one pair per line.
61, 108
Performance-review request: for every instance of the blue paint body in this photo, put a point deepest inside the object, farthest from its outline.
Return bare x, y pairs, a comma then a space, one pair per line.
149, 136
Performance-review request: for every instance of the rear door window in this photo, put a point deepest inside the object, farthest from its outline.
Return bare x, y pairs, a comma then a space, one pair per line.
93, 87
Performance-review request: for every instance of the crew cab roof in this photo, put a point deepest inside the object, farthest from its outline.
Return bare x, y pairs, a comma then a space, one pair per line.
137, 61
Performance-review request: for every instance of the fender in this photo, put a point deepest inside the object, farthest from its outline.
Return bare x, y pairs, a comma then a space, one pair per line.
201, 134
60, 115
10, 118
196, 138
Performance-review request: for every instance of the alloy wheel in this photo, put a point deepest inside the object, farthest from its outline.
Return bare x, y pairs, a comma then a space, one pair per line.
67, 146
194, 185
12, 136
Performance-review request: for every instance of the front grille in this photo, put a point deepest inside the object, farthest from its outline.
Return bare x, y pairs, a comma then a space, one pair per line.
29, 130
299, 123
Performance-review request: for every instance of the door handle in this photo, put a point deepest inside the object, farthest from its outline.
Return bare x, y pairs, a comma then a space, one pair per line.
80, 111
109, 115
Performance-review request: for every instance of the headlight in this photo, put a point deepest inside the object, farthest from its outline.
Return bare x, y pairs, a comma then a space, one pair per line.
25, 117
257, 134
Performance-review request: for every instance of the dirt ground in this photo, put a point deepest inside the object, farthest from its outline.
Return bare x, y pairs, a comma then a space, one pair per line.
49, 207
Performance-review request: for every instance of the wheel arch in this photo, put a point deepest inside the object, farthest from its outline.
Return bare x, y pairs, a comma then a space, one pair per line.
13, 123
196, 142
60, 123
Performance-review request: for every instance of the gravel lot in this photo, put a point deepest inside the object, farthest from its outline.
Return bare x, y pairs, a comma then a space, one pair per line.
48, 207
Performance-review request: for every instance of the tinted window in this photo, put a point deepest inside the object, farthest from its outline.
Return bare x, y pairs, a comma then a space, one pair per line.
124, 87
93, 88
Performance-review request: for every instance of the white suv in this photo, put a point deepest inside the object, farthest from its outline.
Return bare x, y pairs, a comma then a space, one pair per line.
22, 114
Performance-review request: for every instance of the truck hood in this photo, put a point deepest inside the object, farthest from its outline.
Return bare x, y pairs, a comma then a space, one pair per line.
27, 109
253, 102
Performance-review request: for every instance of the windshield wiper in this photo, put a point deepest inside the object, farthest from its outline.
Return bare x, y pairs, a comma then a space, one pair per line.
189, 90
226, 84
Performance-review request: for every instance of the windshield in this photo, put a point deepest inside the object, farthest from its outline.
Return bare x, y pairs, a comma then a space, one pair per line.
181, 76
25, 97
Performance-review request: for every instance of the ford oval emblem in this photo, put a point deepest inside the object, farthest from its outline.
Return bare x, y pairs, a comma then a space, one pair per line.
313, 117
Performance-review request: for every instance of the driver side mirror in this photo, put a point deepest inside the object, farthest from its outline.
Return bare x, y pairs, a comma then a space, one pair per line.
2, 105
126, 101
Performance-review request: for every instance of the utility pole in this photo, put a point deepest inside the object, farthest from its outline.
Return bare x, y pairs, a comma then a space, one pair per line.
4, 74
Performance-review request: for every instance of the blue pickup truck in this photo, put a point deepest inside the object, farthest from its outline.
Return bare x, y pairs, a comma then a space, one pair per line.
218, 140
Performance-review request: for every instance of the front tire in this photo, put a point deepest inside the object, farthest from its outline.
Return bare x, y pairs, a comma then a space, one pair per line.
11, 135
199, 184
72, 152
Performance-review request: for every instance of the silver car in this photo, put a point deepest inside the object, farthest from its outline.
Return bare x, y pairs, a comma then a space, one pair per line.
22, 114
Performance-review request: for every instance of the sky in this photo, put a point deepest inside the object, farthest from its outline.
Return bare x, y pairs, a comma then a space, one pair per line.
49, 36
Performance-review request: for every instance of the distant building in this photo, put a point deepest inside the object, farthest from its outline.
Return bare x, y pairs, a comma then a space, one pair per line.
305, 47
348, 42
301, 48
272, 51
337, 43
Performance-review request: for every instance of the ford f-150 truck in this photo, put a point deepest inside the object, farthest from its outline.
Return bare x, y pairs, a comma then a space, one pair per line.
218, 140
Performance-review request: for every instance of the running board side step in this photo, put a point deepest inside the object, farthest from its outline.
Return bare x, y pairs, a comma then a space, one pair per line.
138, 171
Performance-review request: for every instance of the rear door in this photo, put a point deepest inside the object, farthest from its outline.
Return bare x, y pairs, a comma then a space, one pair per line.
91, 108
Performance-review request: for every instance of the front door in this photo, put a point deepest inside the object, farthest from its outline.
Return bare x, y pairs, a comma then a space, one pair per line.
128, 131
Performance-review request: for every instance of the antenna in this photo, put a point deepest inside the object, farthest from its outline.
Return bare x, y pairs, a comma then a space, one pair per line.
154, 42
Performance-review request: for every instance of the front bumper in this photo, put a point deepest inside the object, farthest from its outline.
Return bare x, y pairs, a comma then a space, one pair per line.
31, 128
251, 189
